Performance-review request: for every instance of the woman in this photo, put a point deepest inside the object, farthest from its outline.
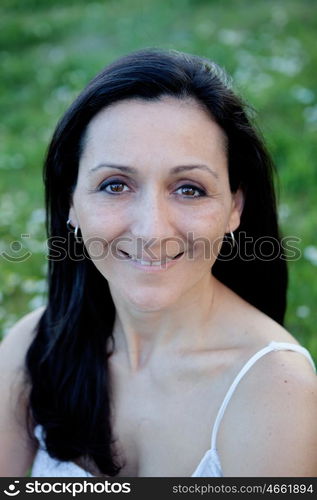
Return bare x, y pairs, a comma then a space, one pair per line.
143, 362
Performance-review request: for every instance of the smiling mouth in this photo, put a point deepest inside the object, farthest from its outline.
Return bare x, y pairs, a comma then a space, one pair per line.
150, 262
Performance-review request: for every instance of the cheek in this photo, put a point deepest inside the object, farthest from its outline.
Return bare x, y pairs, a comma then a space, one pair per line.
207, 223
205, 232
99, 227
100, 222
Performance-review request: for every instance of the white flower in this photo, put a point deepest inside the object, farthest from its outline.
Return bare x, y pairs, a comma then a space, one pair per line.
310, 254
303, 95
31, 286
303, 311
36, 302
230, 37
310, 114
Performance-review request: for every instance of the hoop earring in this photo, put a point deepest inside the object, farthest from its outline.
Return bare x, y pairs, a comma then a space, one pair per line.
74, 230
69, 225
76, 235
232, 238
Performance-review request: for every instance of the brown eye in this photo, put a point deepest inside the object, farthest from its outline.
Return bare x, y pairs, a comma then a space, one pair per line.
113, 187
189, 191
116, 188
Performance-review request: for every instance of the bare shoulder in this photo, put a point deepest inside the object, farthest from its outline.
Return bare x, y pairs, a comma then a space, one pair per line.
15, 344
23, 330
269, 427
17, 450
273, 414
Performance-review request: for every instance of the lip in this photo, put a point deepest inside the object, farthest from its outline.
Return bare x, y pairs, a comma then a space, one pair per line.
147, 268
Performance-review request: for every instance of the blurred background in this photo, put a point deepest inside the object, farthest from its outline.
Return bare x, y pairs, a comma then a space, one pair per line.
50, 49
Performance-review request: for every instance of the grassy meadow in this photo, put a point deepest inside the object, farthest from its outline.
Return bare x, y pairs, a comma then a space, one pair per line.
50, 49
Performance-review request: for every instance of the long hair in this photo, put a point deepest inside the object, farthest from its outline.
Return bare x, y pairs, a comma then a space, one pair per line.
67, 363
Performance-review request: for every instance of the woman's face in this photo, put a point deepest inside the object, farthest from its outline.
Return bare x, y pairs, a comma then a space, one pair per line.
153, 185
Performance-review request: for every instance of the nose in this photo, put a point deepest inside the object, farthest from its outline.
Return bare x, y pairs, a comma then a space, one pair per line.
151, 217
152, 227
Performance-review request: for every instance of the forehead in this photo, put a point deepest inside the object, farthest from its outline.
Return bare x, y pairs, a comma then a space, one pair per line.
165, 125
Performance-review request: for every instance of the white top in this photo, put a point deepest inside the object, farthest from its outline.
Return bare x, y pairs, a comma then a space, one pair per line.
209, 466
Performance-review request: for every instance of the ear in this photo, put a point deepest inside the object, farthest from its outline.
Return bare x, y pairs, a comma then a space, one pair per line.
236, 210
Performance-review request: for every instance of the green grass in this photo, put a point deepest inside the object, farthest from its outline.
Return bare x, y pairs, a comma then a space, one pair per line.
50, 49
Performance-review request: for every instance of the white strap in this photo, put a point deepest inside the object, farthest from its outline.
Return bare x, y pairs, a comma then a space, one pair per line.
273, 346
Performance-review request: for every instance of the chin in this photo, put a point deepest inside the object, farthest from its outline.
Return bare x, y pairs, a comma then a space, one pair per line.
150, 301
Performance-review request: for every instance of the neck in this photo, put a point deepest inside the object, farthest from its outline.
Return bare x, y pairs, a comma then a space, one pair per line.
141, 335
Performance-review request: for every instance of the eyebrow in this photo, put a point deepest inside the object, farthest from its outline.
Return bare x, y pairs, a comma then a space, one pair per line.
174, 170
